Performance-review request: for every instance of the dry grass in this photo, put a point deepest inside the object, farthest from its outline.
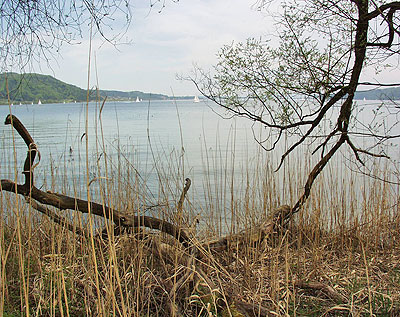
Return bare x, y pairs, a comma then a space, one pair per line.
346, 238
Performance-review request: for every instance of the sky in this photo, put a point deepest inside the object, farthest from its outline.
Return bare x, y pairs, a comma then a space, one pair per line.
167, 44
163, 45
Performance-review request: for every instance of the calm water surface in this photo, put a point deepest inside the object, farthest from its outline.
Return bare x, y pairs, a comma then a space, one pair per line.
159, 139
148, 134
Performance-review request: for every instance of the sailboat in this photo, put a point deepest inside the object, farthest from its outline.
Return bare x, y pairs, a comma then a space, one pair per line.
196, 99
39, 102
137, 99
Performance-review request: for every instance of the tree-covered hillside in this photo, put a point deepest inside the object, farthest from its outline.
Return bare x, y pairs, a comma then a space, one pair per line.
132, 95
380, 94
27, 88
31, 87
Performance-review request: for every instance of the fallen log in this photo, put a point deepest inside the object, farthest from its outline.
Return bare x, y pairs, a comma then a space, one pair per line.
63, 202
320, 287
123, 219
191, 259
253, 235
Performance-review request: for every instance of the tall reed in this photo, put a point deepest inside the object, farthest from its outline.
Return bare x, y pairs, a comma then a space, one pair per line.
346, 237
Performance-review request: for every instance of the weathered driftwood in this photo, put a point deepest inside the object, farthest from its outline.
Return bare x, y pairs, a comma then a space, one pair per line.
63, 202
320, 287
57, 218
252, 235
37, 197
190, 258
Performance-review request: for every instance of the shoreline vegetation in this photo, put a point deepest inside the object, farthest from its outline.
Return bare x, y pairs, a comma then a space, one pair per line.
31, 87
339, 256
314, 232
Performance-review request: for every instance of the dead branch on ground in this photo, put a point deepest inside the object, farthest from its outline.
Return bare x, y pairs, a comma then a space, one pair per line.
191, 258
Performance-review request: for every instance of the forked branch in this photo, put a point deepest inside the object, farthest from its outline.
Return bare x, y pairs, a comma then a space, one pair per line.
63, 202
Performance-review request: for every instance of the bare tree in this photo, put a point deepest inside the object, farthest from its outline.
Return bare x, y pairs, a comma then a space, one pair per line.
35, 30
308, 81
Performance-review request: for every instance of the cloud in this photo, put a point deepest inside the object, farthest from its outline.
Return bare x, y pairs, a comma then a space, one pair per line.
163, 45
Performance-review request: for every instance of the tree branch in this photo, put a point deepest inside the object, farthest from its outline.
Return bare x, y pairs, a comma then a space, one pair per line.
326, 289
395, 5
66, 202
389, 21
57, 218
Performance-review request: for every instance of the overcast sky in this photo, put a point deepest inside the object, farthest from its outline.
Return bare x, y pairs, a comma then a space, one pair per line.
167, 44
163, 45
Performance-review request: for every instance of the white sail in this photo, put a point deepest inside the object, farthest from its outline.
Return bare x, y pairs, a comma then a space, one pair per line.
196, 99
137, 99
39, 102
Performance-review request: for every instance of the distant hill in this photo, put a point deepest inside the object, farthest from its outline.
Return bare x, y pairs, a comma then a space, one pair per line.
132, 95
379, 94
31, 87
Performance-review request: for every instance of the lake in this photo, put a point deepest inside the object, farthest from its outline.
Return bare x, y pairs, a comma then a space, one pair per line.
148, 134
163, 142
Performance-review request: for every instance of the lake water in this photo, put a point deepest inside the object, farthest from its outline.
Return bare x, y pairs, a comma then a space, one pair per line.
163, 141
177, 138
